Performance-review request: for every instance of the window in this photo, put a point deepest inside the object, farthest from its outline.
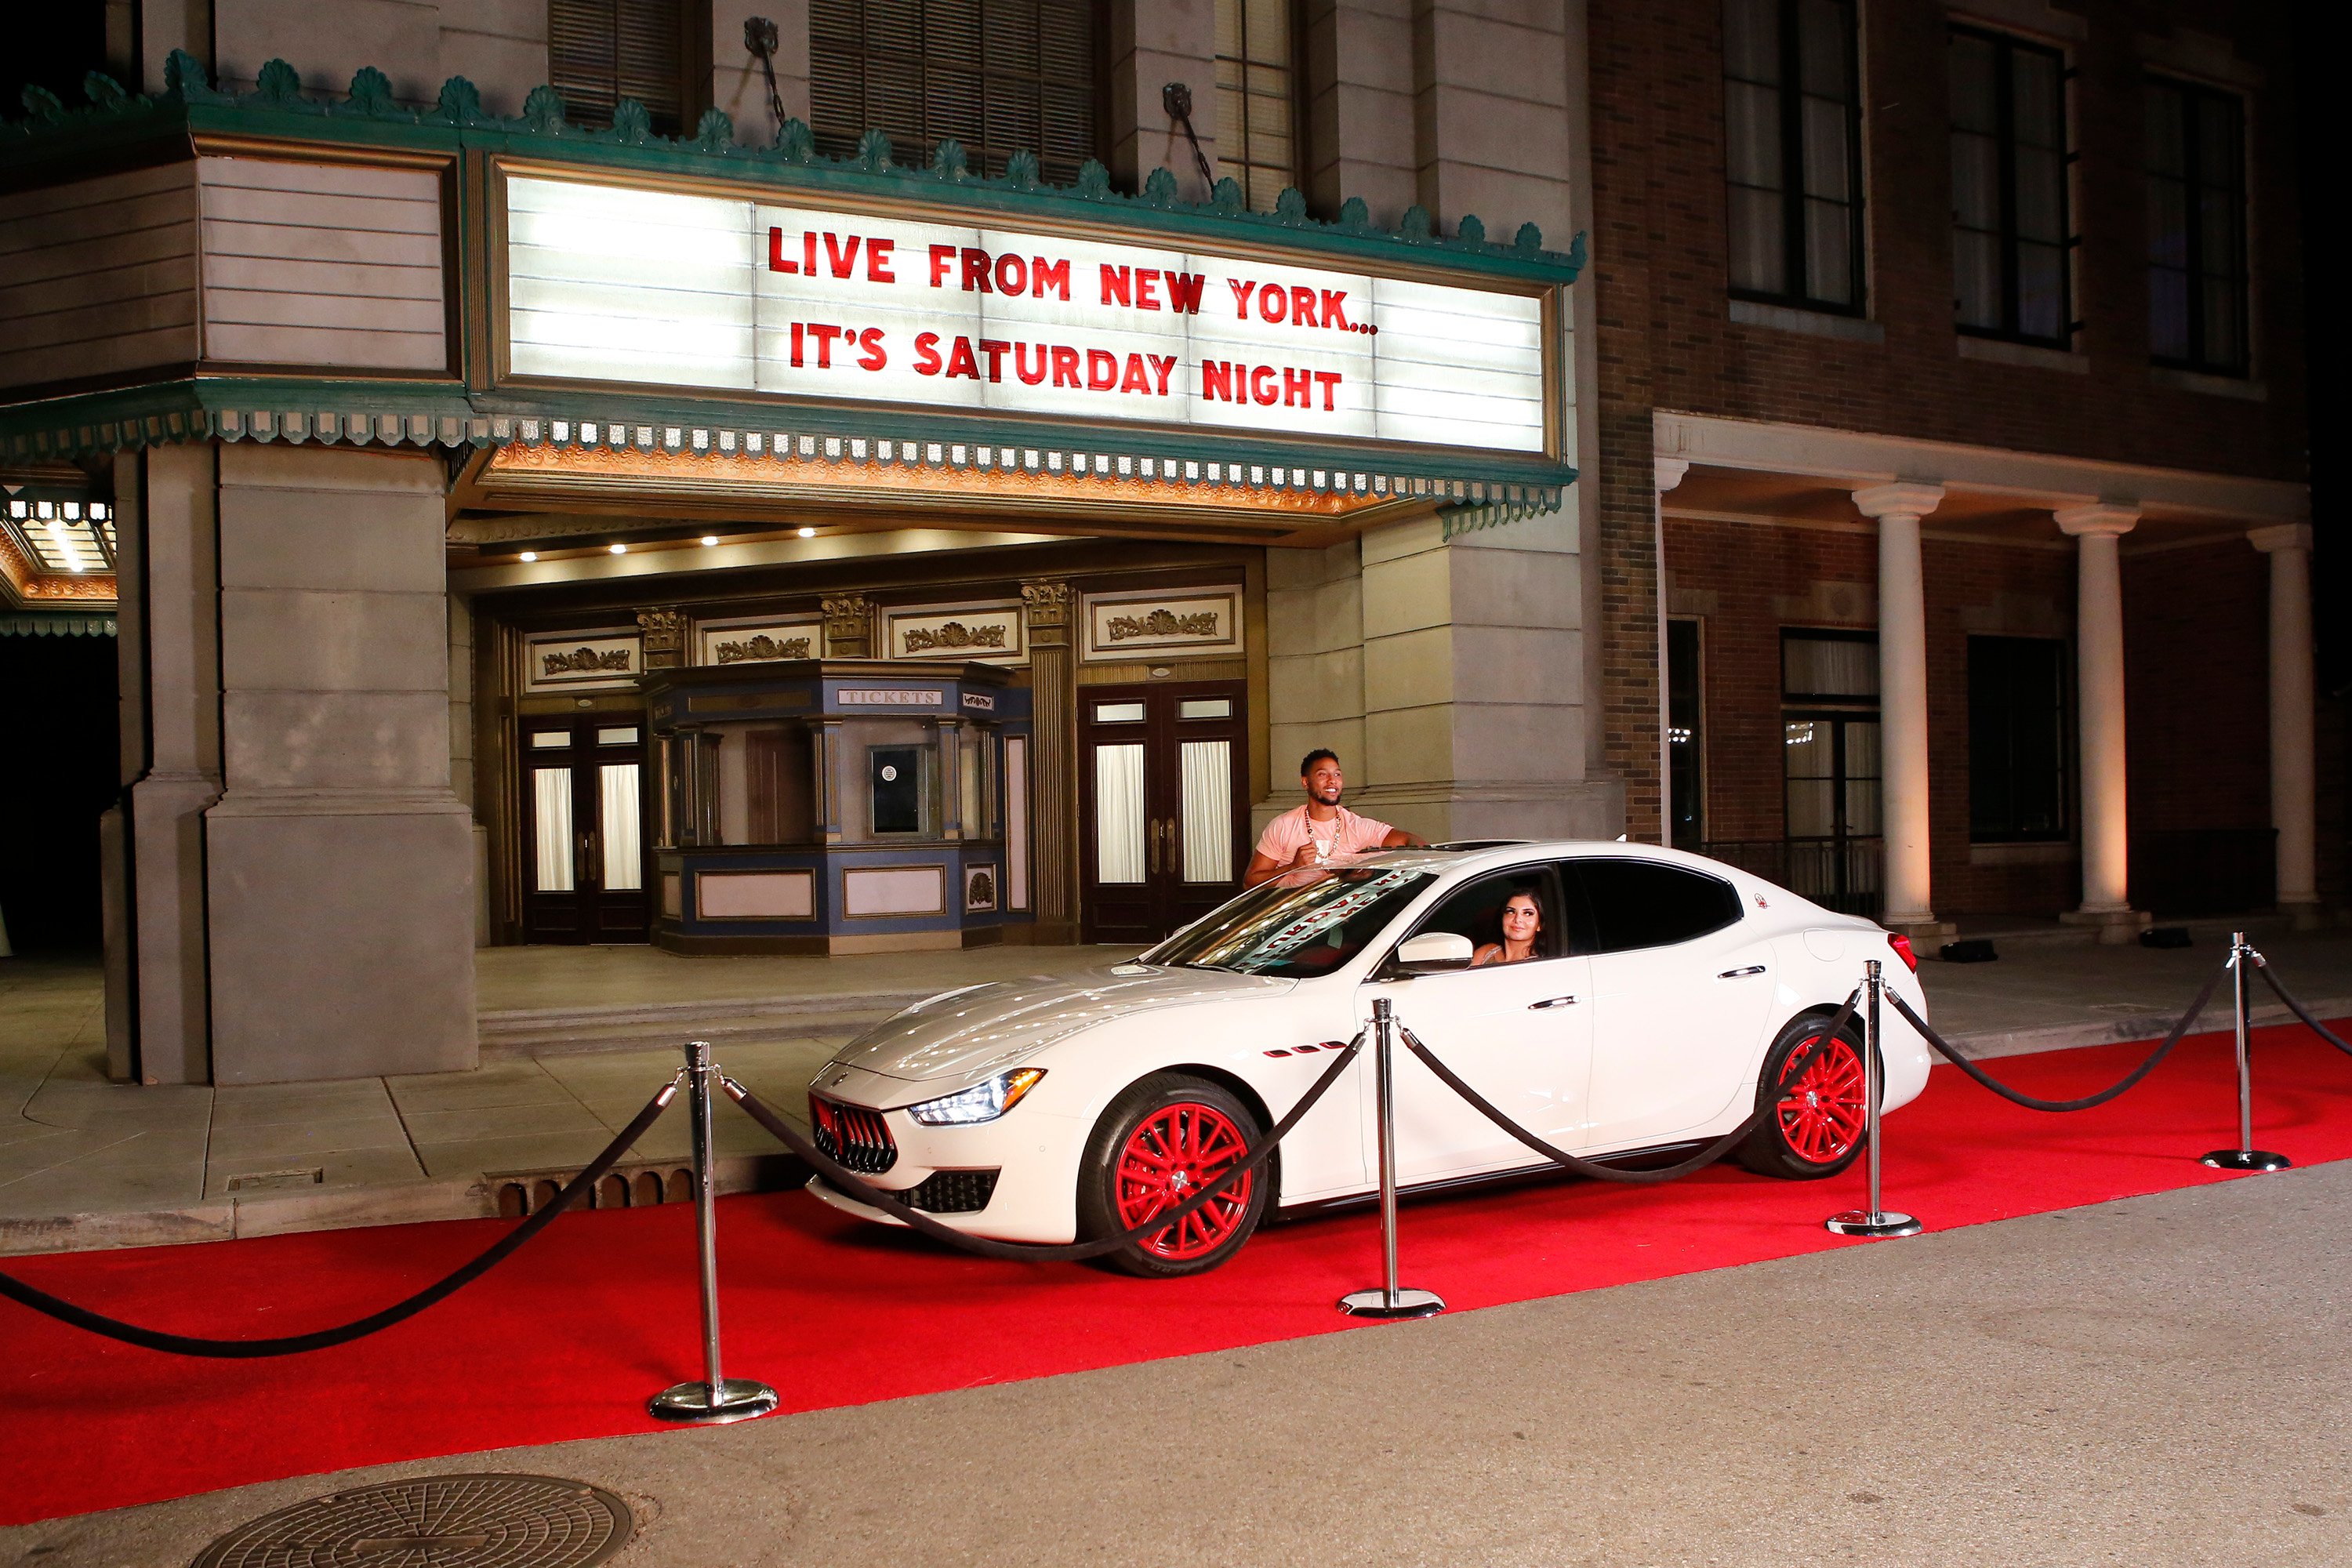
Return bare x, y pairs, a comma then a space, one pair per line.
999, 76
1641, 904
2009, 234
1476, 911
1257, 124
602, 51
1829, 667
2017, 739
1686, 752
1296, 925
1830, 770
1792, 152
2196, 228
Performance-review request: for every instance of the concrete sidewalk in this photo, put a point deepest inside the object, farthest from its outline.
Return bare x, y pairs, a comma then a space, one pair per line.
576, 1039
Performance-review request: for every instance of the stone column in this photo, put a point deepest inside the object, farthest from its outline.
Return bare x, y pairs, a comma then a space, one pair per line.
461, 754
738, 86
170, 659
2292, 788
1153, 43
1903, 700
1053, 765
339, 863
849, 627
1667, 472
2105, 810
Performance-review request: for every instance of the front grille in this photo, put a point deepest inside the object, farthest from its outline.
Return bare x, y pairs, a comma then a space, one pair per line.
952, 1192
854, 1135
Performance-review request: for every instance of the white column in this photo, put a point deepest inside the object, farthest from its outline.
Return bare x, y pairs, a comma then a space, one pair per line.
1903, 696
1669, 472
2099, 712
2292, 791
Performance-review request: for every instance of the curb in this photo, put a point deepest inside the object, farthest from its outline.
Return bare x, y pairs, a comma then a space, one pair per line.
344, 1208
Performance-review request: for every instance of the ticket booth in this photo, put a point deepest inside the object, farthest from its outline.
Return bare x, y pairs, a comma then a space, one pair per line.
838, 806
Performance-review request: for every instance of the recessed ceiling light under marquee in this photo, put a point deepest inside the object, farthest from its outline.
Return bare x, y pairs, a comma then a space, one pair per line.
615, 284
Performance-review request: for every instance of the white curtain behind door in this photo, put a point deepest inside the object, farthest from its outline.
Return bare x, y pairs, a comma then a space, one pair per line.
550, 794
1208, 812
1119, 813
617, 817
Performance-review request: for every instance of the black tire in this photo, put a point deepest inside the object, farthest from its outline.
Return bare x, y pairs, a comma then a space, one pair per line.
1218, 1230
1791, 1146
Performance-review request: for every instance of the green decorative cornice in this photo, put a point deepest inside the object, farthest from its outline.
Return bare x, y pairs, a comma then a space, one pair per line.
54, 136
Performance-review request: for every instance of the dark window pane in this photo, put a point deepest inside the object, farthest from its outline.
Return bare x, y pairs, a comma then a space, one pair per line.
1975, 104
2008, 188
1791, 121
1752, 135
2197, 226
2017, 738
1758, 253
1827, 665
1685, 742
1751, 40
1640, 903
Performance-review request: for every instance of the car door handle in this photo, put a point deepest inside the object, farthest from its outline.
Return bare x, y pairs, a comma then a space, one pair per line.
1741, 974
1550, 1001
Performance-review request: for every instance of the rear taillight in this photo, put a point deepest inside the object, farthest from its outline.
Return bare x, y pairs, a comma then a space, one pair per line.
1902, 946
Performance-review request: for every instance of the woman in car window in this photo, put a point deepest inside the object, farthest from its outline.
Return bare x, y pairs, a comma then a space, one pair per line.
1522, 932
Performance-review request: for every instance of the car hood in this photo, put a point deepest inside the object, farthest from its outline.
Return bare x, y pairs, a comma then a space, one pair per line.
965, 1032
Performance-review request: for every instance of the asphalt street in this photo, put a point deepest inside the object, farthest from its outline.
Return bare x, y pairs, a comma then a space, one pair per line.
2154, 1381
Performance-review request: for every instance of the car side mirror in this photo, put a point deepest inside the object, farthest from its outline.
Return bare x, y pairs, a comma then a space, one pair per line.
1430, 952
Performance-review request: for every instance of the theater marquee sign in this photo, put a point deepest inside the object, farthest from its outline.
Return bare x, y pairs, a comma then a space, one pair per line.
609, 283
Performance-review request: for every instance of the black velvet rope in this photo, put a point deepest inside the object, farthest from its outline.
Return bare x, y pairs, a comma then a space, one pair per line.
2018, 1096
65, 1312
850, 1183
1795, 1065
2302, 1012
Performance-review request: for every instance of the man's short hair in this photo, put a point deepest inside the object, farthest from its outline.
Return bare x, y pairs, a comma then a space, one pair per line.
1315, 756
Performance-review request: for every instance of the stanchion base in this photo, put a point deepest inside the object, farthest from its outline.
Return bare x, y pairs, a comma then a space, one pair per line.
740, 1399
2245, 1160
1380, 1304
1862, 1222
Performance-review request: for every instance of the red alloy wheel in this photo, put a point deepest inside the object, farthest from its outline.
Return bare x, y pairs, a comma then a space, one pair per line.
1170, 1156
1821, 1112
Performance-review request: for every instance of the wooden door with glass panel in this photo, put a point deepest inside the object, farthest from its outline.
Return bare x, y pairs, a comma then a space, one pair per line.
1164, 817
584, 836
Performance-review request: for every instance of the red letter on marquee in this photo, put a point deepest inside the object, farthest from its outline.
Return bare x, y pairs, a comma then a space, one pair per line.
1102, 370
1216, 379
1054, 275
1117, 286
776, 262
1184, 292
927, 353
942, 258
1327, 380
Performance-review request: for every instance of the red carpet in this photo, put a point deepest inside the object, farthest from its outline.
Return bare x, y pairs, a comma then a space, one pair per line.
568, 1338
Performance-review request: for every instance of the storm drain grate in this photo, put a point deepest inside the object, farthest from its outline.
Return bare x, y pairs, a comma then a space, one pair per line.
436, 1522
278, 1181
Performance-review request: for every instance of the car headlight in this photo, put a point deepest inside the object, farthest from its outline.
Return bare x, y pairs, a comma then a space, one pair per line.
983, 1101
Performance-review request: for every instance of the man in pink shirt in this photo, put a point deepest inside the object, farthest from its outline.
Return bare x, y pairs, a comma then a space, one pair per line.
1322, 830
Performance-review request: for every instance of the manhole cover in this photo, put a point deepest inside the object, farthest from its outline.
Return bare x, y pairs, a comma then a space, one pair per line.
435, 1521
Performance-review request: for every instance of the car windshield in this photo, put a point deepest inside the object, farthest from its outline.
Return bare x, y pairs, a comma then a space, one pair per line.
1304, 922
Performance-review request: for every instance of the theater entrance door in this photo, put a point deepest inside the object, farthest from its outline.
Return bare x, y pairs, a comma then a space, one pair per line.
1163, 820
583, 830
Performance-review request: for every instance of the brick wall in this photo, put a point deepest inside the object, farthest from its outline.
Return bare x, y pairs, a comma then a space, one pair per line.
1666, 338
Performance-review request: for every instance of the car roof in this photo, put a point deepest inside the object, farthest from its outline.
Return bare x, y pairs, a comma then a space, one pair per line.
1481, 854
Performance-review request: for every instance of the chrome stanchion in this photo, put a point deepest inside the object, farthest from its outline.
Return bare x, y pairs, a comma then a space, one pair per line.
1390, 1301
717, 1398
1874, 1221
2245, 1156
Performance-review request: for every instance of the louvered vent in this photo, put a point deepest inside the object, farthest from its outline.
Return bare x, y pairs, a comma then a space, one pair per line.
602, 51
999, 76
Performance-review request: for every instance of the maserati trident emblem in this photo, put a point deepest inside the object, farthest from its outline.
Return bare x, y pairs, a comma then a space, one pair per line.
839, 1078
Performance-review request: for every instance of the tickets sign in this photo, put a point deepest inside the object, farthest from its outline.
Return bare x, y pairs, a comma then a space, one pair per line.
611, 283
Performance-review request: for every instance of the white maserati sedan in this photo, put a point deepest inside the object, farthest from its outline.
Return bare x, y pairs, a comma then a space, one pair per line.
1654, 1006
